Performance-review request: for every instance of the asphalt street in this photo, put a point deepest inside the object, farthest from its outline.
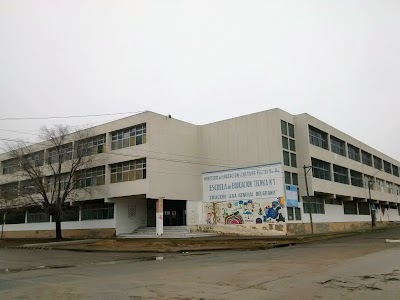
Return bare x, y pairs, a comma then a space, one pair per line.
353, 267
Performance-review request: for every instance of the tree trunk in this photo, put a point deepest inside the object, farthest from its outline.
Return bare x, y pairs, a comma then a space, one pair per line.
2, 225
57, 220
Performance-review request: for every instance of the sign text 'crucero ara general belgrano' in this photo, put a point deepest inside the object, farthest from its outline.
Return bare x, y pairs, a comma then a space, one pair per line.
260, 182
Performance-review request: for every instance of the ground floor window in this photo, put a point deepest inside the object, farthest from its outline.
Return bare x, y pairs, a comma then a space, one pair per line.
13, 216
96, 210
314, 205
363, 208
350, 208
333, 201
36, 215
294, 213
70, 213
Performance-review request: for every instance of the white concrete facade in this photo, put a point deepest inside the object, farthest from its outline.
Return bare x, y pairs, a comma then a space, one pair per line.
177, 153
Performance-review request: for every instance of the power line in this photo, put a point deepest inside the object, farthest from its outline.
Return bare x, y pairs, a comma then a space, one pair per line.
67, 117
16, 131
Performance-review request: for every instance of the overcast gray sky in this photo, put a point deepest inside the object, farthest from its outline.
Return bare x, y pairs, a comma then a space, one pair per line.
203, 61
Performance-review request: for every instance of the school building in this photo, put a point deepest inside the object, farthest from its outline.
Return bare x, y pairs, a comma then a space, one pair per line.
246, 175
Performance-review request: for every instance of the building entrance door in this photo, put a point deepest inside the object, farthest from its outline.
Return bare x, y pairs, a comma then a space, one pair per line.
174, 212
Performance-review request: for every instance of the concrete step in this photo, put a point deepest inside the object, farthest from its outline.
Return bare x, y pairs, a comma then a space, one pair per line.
168, 232
165, 236
173, 229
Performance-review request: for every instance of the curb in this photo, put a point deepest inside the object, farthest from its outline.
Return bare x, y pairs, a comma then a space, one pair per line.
266, 247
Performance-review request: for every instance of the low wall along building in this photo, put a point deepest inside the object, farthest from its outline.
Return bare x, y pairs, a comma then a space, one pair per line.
243, 175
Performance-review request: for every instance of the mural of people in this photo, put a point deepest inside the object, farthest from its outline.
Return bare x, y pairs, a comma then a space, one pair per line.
246, 211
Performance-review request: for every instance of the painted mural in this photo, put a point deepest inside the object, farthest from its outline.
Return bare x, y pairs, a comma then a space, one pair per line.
267, 211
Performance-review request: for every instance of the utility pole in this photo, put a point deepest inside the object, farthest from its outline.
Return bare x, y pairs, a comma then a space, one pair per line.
373, 210
306, 170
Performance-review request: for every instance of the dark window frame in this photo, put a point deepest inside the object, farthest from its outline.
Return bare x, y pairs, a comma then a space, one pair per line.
366, 158
318, 137
340, 174
350, 208
321, 169
313, 205
377, 163
338, 146
353, 152
387, 167
356, 178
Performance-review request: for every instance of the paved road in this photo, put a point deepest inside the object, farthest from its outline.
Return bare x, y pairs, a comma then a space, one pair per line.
356, 267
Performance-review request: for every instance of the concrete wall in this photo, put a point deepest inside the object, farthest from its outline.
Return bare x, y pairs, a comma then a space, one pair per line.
130, 214
67, 233
307, 150
194, 212
241, 142
178, 152
320, 228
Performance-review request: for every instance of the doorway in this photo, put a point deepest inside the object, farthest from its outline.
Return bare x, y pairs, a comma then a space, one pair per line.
174, 212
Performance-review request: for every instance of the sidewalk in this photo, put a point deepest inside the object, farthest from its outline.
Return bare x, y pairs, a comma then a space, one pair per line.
171, 245
179, 245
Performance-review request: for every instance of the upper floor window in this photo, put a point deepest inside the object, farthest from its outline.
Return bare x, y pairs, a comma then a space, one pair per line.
389, 187
340, 174
397, 192
291, 130
91, 177
395, 170
288, 178
378, 185
128, 137
377, 163
338, 146
64, 153
128, 170
366, 158
321, 169
28, 187
11, 166
35, 159
356, 178
284, 129
354, 152
317, 137
91, 146
295, 179
387, 167
368, 181
63, 182
9, 190
285, 143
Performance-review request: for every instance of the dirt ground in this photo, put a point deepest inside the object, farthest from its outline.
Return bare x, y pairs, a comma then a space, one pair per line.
164, 245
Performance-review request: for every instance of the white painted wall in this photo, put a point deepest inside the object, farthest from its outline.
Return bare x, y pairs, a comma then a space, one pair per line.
130, 214
335, 213
194, 212
92, 224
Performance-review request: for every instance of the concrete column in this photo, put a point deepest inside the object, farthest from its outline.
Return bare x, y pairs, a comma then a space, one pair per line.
159, 217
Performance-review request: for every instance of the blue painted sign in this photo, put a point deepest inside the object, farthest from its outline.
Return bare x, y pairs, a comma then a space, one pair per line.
292, 197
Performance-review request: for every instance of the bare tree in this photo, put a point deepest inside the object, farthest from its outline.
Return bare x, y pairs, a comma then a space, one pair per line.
51, 179
8, 196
